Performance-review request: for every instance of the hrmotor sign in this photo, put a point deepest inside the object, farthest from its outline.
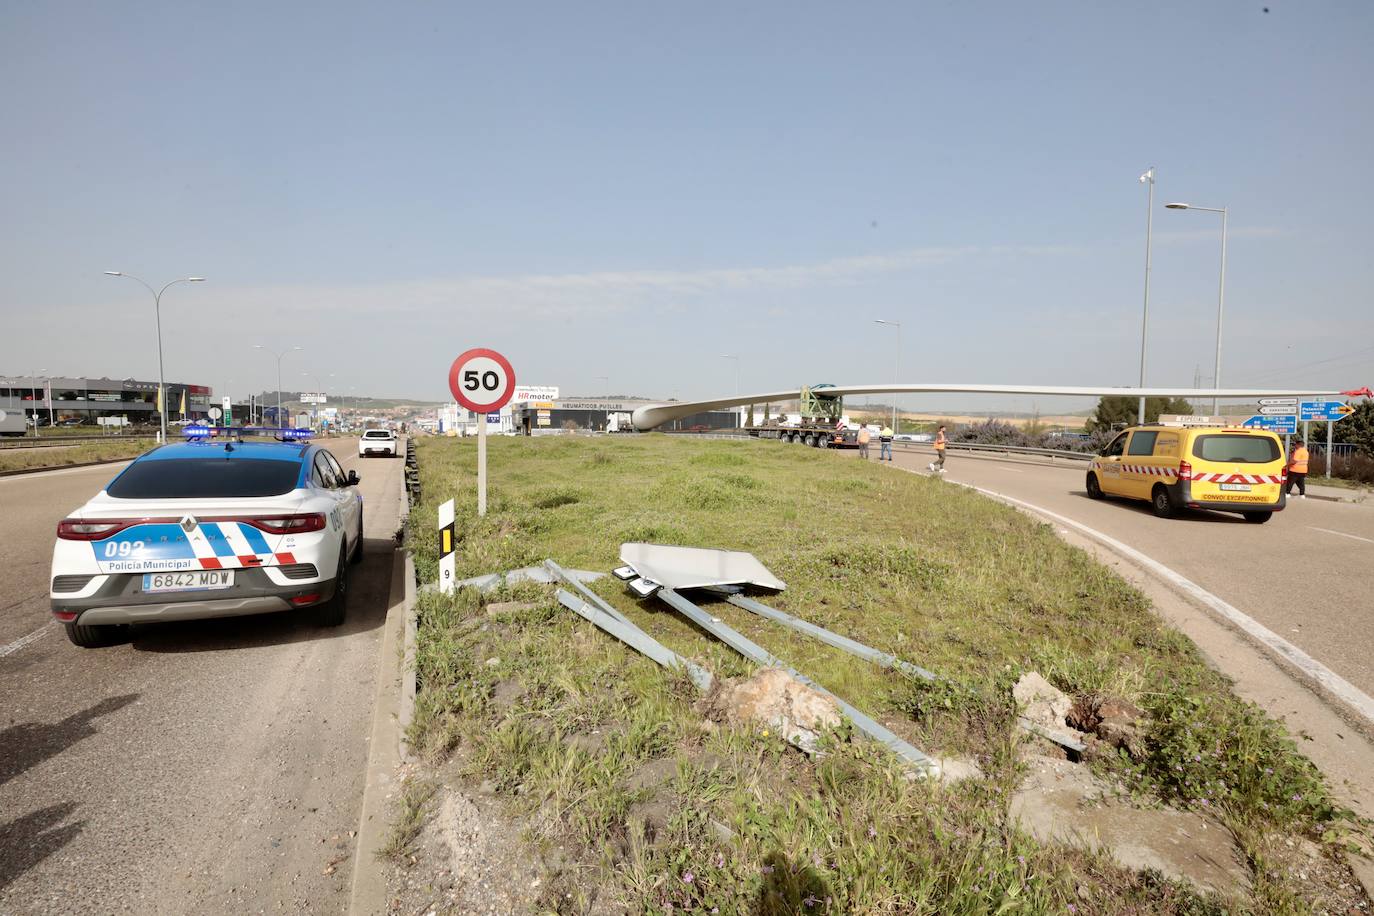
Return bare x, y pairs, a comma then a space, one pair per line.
535, 393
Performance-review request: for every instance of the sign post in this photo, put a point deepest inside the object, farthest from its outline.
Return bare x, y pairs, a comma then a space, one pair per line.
483, 381
446, 542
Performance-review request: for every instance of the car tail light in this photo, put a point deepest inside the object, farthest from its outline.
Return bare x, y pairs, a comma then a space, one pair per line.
76, 529
287, 524
65, 616
302, 600
1283, 476
1185, 471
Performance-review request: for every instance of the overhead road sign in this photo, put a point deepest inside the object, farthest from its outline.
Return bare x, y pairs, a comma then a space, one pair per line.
1285, 425
1278, 402
1282, 410
1324, 409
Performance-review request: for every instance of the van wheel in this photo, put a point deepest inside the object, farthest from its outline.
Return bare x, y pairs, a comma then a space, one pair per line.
1259, 518
95, 637
1094, 488
332, 612
1163, 502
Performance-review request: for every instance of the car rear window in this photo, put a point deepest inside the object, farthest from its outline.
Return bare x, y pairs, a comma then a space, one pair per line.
1235, 449
376, 434
205, 477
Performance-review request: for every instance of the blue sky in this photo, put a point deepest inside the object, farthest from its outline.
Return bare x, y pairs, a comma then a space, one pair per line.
629, 190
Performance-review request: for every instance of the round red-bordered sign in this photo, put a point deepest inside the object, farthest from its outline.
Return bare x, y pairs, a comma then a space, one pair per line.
481, 380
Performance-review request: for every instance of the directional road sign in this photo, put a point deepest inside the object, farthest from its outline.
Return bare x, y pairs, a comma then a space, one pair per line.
1278, 402
1323, 409
1281, 410
1284, 426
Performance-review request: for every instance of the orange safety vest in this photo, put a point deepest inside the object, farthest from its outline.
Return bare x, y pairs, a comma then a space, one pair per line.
940, 442
1298, 463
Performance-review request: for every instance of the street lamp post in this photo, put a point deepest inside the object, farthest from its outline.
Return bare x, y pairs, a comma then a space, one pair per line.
896, 365
1149, 179
33, 390
1221, 289
157, 311
736, 359
279, 357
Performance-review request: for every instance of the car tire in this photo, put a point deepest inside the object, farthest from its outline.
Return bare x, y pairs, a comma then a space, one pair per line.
1095, 488
358, 550
1258, 518
1162, 502
96, 637
333, 611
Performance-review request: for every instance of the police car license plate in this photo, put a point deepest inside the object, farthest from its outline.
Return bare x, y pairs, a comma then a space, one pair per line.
192, 581
1241, 487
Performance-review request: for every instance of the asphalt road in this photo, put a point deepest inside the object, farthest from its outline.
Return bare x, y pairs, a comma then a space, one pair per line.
1305, 574
204, 767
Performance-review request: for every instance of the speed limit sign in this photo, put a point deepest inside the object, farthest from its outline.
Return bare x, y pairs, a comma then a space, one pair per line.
482, 380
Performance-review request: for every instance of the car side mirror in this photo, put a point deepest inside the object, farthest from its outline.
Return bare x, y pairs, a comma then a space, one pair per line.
353, 479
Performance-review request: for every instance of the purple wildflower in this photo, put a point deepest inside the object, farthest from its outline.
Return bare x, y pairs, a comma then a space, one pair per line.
688, 877
871, 831
767, 869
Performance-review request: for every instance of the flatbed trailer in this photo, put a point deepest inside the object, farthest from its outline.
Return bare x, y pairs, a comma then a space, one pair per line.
814, 436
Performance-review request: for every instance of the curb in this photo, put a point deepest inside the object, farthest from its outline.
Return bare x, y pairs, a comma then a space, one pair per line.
382, 779
19, 472
408, 673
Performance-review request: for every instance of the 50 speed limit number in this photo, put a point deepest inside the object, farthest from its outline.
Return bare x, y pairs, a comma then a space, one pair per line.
482, 380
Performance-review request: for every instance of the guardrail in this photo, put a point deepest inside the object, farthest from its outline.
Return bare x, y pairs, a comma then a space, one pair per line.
1051, 453
50, 441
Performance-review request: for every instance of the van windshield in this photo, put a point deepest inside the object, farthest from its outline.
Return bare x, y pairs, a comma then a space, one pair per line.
1236, 449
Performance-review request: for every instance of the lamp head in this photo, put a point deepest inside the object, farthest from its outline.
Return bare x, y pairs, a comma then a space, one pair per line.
195, 279
114, 273
1176, 206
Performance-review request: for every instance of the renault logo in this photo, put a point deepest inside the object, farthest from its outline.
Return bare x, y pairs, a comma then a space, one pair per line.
188, 523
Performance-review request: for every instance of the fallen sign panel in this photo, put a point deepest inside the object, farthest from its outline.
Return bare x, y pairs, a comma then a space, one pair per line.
697, 567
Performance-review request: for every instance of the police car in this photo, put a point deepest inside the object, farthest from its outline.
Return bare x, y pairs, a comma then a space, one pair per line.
209, 529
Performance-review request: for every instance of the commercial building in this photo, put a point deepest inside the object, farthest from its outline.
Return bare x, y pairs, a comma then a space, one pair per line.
58, 398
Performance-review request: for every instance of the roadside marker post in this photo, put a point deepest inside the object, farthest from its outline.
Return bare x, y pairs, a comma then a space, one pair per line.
447, 532
483, 381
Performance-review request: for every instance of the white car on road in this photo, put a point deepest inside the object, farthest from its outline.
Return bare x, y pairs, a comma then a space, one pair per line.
377, 442
209, 529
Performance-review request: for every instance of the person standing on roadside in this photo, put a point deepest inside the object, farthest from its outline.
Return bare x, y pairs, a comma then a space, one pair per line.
938, 465
1297, 469
864, 438
885, 444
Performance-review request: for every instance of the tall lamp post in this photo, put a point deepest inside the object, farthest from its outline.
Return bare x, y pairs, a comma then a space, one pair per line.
736, 359
157, 311
1221, 289
279, 357
33, 389
1149, 179
896, 365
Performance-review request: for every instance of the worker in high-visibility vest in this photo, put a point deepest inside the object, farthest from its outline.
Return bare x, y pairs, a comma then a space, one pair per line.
938, 465
1297, 469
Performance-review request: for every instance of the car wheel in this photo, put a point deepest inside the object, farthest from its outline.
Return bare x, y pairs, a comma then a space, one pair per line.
358, 550
332, 612
1259, 518
1163, 503
1094, 488
95, 637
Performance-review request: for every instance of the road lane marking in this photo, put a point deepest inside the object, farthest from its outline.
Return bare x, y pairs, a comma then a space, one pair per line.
23, 641
1342, 534
1339, 687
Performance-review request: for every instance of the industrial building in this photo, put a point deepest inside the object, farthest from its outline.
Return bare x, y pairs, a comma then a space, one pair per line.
53, 399
606, 415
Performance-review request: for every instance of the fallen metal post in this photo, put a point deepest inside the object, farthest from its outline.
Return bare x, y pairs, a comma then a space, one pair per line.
585, 592
884, 659
830, 638
636, 639
757, 654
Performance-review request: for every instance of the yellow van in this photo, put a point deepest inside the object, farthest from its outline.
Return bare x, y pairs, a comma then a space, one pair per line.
1230, 468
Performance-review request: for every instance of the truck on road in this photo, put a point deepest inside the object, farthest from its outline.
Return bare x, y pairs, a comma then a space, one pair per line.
820, 424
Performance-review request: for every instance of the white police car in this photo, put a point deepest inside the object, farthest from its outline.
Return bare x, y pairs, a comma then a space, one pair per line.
209, 529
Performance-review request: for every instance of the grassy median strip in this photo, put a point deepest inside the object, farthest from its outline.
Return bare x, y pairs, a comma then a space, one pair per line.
16, 459
605, 750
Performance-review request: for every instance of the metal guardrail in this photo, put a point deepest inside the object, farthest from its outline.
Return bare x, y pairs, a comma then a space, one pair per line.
1007, 450
57, 441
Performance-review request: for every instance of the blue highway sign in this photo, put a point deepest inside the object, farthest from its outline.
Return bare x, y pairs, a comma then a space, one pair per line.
1323, 409
1284, 425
